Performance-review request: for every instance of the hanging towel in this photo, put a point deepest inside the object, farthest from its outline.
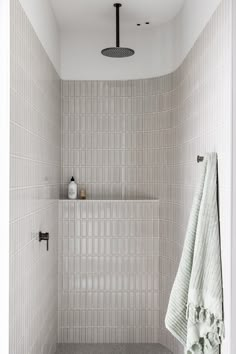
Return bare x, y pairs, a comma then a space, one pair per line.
195, 311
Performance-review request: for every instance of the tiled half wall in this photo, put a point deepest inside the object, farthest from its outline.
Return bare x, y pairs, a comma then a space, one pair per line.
109, 271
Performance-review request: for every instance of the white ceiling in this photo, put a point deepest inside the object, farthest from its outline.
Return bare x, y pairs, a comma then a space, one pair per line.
100, 14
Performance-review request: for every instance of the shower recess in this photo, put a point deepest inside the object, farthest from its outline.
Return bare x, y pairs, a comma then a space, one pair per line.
118, 52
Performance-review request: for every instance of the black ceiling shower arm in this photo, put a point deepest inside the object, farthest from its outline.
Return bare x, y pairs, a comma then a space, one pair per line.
117, 52
117, 6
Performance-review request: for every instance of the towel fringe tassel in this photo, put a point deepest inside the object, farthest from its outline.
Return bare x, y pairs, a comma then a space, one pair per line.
198, 314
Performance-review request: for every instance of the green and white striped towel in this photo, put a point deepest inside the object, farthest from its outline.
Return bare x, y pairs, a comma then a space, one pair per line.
195, 310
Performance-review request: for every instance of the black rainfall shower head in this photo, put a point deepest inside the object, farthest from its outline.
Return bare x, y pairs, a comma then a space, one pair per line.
117, 52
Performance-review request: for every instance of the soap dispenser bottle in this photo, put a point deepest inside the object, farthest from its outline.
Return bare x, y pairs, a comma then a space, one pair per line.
72, 189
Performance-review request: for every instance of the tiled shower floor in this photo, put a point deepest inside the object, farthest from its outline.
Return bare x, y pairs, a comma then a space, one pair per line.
111, 349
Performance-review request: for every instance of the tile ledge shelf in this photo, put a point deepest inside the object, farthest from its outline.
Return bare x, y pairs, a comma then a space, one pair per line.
109, 200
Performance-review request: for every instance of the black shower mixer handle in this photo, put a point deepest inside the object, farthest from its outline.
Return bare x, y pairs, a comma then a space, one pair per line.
44, 237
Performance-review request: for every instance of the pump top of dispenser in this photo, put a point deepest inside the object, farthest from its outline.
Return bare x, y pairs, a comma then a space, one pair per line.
72, 179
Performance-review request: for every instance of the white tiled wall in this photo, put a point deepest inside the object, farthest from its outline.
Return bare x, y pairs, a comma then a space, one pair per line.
115, 137
35, 183
202, 123
109, 271
116, 140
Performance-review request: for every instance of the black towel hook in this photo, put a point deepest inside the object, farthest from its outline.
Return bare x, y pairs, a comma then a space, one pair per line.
44, 237
200, 158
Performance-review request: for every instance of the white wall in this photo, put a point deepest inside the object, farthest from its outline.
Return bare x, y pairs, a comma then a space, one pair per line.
4, 175
158, 51
41, 16
188, 25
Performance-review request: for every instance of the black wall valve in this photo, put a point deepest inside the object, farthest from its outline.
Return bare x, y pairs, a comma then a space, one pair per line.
44, 237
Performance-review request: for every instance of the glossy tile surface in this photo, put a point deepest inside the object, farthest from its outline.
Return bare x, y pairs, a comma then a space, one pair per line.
35, 181
115, 136
108, 271
202, 124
